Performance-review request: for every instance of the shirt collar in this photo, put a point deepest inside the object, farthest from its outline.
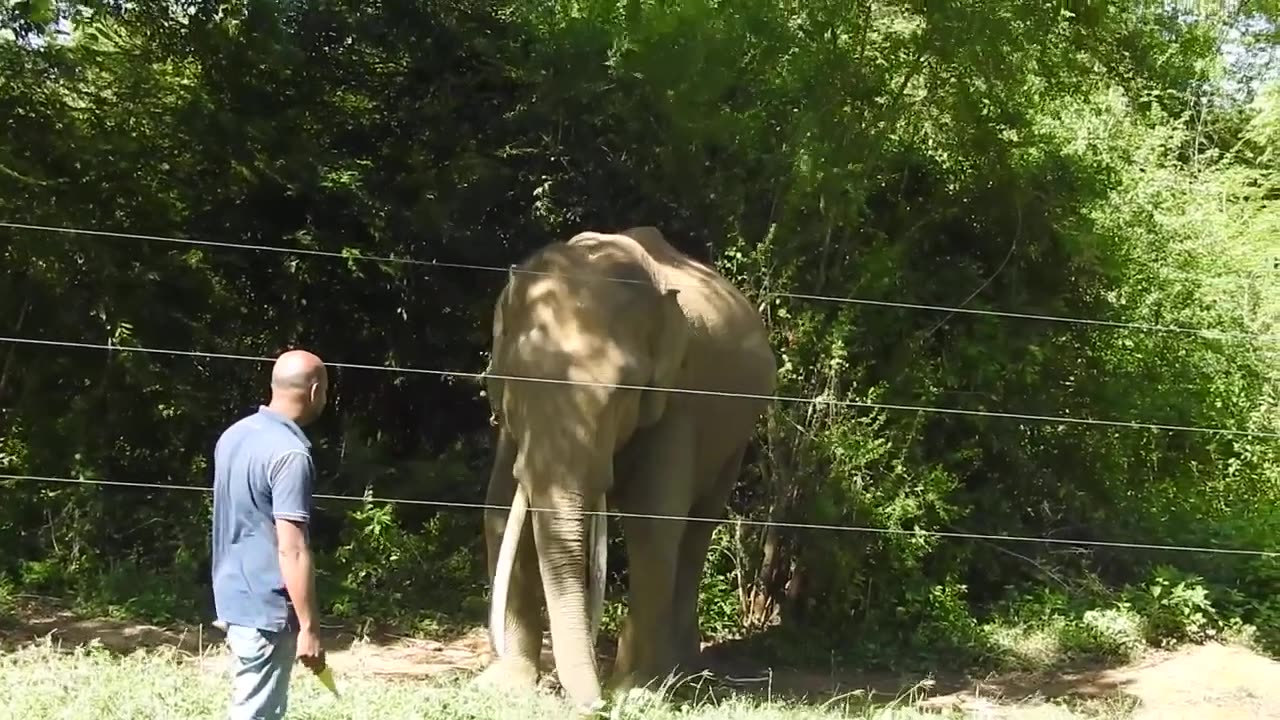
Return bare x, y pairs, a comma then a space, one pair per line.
274, 416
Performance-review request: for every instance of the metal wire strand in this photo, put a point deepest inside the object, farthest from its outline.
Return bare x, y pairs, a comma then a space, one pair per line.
1135, 425
1148, 327
756, 523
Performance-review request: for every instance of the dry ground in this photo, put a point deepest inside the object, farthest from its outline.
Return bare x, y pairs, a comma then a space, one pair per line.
1205, 682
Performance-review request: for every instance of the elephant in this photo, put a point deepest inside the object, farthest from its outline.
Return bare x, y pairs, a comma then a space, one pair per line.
616, 329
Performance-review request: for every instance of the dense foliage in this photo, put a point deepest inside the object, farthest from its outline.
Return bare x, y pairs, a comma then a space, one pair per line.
1105, 163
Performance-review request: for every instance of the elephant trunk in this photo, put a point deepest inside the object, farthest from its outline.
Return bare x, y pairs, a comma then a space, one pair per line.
559, 532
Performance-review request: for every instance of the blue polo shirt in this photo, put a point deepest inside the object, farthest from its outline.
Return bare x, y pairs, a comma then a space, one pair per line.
262, 470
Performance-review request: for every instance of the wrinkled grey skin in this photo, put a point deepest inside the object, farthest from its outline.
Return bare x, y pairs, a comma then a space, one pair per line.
675, 323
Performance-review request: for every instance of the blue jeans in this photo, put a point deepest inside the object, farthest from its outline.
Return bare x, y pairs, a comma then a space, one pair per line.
261, 662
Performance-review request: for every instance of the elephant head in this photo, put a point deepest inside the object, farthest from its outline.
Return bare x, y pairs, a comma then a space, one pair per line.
576, 319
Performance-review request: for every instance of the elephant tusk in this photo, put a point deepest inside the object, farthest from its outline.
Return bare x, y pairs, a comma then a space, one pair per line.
598, 561
502, 573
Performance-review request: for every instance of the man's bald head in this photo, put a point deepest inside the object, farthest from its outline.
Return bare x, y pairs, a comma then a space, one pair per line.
297, 370
299, 385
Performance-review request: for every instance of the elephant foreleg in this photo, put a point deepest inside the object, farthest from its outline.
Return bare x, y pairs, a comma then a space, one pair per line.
658, 482
644, 643
692, 561
687, 638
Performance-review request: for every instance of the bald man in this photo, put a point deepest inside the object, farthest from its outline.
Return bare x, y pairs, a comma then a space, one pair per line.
263, 578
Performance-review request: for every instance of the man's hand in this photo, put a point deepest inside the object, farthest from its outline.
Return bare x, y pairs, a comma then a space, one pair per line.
309, 652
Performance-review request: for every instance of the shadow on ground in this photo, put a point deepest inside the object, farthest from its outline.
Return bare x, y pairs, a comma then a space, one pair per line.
36, 619
1196, 682
737, 666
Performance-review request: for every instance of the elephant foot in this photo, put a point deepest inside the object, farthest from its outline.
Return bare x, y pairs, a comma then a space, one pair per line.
629, 674
509, 675
594, 709
638, 702
630, 681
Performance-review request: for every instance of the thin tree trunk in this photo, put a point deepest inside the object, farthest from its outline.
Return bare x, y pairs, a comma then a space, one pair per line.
8, 358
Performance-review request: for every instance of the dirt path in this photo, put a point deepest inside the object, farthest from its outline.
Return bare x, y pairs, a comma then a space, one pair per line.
1196, 682
1208, 682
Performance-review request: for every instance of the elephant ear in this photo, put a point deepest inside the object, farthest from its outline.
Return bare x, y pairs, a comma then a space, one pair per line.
670, 341
493, 389
494, 386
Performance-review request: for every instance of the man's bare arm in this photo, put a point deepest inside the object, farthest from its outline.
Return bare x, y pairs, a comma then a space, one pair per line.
292, 478
298, 570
